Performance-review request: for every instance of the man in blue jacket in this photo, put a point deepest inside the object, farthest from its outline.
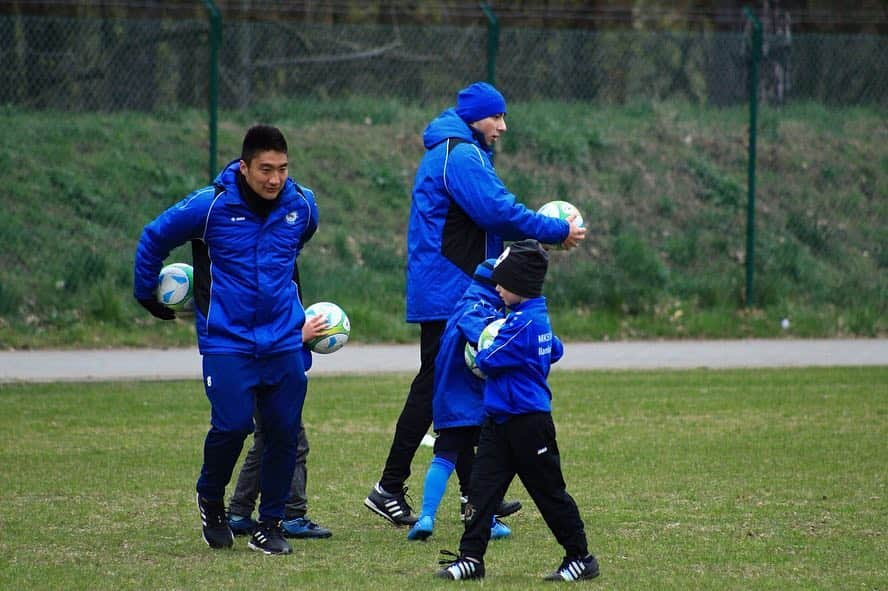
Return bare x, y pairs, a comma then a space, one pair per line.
246, 230
461, 213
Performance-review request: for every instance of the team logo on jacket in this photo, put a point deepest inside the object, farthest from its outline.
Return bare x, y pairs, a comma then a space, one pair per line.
292, 217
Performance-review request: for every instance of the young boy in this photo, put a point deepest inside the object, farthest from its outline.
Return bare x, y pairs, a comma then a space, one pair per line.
518, 434
457, 405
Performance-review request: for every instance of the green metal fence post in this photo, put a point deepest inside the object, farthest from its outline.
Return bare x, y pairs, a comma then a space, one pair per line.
755, 57
215, 41
492, 42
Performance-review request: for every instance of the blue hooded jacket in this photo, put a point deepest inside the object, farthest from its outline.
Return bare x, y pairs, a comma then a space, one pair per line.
246, 300
517, 362
460, 214
459, 394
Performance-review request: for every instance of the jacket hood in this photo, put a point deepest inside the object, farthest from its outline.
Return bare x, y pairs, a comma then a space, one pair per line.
447, 124
228, 176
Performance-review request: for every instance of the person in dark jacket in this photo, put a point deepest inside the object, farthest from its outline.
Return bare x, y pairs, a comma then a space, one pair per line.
518, 434
457, 406
246, 230
460, 215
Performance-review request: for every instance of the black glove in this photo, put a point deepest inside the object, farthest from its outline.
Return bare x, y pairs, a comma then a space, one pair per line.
157, 309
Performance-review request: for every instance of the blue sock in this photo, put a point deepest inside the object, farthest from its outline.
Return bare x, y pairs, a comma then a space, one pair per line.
435, 484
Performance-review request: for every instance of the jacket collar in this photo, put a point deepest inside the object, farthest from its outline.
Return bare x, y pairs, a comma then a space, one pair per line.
227, 179
532, 304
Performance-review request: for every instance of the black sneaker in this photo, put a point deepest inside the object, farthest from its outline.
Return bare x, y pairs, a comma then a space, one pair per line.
505, 508
575, 569
269, 538
393, 507
459, 567
216, 532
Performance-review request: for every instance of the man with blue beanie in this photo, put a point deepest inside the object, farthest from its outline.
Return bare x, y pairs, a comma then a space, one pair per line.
480, 101
460, 215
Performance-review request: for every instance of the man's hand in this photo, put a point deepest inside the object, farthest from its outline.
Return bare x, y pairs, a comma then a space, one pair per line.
314, 327
575, 235
157, 309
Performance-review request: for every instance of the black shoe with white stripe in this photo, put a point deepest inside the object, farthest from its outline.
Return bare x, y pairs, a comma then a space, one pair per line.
269, 538
216, 532
575, 569
392, 506
459, 567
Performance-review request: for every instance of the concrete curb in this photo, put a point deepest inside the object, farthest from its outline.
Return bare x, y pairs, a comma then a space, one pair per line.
177, 364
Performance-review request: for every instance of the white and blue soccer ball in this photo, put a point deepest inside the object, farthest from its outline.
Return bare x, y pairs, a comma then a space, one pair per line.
561, 210
335, 336
175, 286
484, 341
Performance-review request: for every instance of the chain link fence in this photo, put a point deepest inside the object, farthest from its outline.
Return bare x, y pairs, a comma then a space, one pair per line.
148, 65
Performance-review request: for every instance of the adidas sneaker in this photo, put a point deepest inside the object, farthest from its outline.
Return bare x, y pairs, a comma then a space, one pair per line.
459, 567
216, 532
391, 506
269, 538
575, 569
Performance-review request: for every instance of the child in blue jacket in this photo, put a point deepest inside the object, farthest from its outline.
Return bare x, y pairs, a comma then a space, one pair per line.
518, 434
457, 405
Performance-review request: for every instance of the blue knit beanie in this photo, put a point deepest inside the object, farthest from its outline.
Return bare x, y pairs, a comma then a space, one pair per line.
478, 101
484, 272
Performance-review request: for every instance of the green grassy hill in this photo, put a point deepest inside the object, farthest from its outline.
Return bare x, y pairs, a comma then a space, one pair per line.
662, 188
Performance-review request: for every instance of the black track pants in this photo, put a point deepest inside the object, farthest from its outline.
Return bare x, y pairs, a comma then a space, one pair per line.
524, 446
416, 417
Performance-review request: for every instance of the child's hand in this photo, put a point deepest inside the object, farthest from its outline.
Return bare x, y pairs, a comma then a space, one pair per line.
314, 327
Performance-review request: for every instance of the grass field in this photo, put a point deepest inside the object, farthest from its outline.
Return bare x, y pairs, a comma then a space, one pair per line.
766, 479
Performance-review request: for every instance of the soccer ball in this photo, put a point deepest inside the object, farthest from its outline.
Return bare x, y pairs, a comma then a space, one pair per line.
561, 210
175, 286
335, 336
487, 335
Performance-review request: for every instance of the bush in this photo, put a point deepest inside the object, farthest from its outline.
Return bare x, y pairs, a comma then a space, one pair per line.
637, 278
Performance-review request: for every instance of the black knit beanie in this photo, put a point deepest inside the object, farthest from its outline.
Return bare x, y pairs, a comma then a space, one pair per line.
522, 268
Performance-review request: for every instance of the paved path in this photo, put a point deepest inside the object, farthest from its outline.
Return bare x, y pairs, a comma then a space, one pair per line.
130, 364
